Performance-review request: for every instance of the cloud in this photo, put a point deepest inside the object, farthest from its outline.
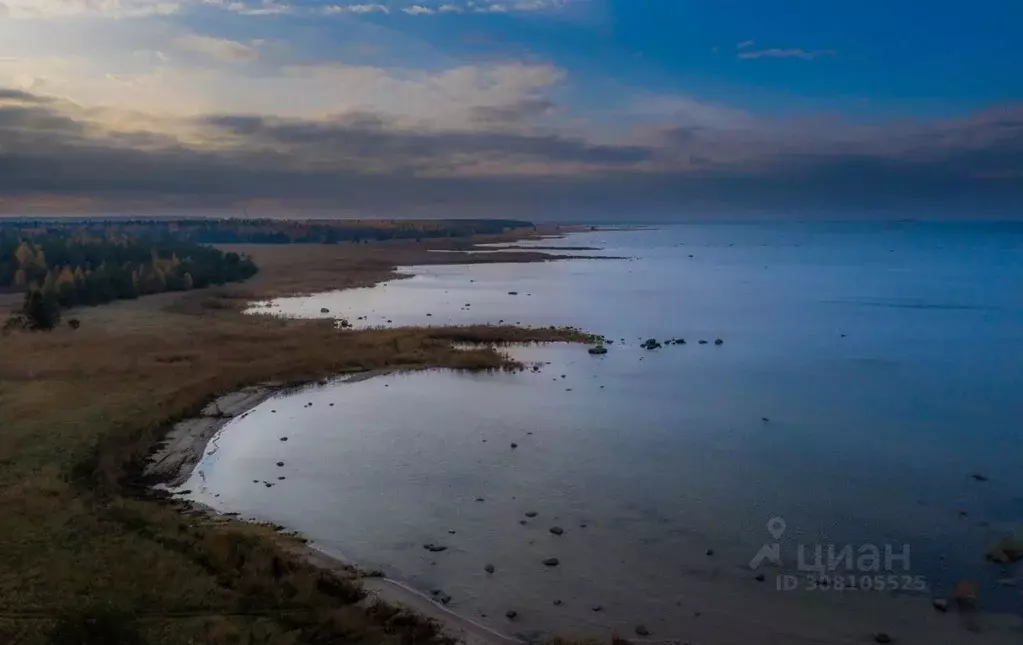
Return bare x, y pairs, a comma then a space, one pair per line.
370, 163
357, 9
744, 44
514, 112
221, 49
48, 9
786, 53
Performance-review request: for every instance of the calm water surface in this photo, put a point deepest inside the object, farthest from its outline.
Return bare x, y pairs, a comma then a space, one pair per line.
885, 358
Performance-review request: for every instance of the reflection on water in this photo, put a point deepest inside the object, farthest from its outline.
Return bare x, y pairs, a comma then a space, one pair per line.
866, 373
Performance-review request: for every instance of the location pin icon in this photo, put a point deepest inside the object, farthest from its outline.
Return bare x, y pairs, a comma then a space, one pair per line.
776, 527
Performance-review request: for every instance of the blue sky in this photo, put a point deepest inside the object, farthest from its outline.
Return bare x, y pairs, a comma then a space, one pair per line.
674, 107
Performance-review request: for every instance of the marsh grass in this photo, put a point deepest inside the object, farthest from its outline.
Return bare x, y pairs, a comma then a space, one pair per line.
91, 556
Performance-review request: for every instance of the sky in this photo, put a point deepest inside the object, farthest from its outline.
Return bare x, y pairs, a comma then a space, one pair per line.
541, 109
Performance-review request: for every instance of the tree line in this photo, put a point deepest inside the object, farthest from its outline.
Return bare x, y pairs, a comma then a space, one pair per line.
60, 268
283, 231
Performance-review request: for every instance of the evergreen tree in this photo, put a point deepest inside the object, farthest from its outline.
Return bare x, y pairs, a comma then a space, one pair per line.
41, 310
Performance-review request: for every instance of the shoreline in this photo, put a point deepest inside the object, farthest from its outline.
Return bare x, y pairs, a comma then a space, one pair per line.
731, 628
726, 622
171, 465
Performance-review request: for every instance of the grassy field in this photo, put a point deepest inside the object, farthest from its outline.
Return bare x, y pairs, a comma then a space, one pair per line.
89, 556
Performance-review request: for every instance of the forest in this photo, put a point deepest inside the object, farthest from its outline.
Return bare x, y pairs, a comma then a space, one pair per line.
65, 267
276, 231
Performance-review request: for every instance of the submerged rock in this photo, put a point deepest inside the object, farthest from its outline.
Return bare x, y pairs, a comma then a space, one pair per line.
551, 562
597, 351
966, 596
940, 604
511, 614
981, 477
882, 637
531, 513
641, 630
440, 596
434, 548
1006, 550
489, 568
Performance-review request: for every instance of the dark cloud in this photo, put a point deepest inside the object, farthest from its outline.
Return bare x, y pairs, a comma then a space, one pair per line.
363, 139
512, 113
366, 164
18, 95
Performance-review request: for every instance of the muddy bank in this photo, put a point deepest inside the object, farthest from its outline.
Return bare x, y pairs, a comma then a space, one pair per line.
185, 443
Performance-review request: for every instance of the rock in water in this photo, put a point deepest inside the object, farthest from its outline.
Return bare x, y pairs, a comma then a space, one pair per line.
551, 562
514, 446
1007, 550
981, 477
434, 548
719, 342
531, 513
882, 637
641, 630
597, 351
940, 604
557, 530
511, 614
324, 310
489, 568
966, 596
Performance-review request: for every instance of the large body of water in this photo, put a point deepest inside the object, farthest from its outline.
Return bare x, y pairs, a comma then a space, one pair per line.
867, 371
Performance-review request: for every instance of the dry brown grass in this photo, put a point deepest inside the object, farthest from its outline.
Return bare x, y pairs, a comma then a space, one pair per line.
85, 551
